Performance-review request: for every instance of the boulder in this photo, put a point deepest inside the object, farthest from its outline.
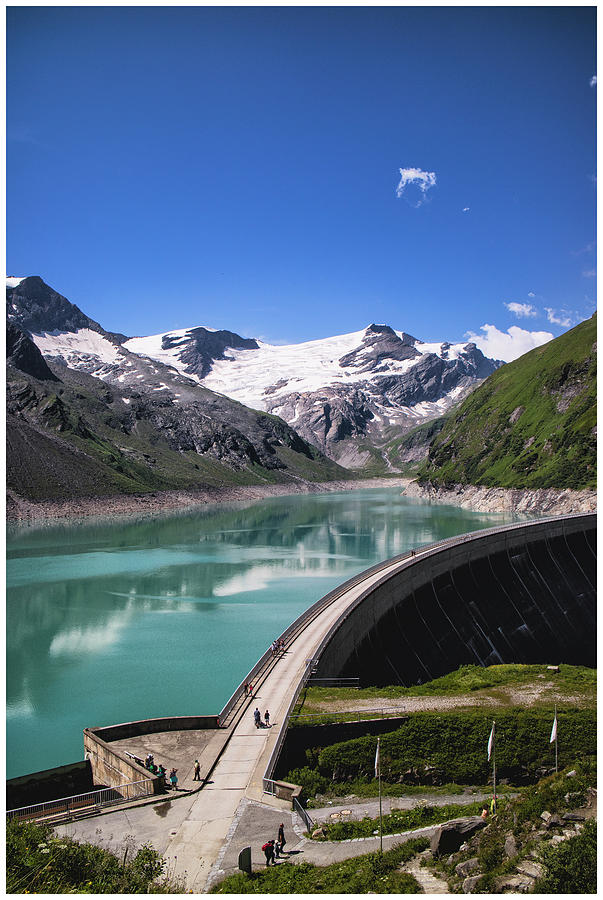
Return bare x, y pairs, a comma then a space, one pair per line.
465, 868
572, 817
470, 883
510, 845
319, 832
449, 837
512, 884
529, 868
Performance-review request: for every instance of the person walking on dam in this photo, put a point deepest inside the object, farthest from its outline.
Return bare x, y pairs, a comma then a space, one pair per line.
257, 717
281, 836
197, 775
267, 719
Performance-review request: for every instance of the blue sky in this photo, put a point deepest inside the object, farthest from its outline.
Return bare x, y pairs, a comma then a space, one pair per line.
294, 173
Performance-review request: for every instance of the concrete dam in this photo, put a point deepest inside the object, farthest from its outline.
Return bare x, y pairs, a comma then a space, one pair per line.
520, 594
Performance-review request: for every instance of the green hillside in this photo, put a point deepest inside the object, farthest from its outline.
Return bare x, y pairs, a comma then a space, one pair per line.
532, 424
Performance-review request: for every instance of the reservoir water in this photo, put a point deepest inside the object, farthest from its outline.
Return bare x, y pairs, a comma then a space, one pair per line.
133, 618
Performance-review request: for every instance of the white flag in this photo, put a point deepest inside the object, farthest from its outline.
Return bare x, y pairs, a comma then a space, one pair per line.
554, 731
490, 742
377, 769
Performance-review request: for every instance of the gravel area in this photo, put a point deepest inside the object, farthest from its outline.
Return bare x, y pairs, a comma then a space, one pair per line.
523, 695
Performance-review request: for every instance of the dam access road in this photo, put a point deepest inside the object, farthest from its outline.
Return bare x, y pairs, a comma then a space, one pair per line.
526, 591
193, 831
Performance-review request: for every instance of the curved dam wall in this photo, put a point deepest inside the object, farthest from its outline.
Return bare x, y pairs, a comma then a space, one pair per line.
521, 594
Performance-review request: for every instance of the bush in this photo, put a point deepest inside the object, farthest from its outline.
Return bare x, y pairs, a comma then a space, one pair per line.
39, 862
453, 747
571, 867
491, 847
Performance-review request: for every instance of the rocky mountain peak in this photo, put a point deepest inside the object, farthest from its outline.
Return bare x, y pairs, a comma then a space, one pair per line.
36, 308
201, 347
380, 343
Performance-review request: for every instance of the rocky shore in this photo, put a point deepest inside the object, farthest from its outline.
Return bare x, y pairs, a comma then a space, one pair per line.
20, 509
545, 501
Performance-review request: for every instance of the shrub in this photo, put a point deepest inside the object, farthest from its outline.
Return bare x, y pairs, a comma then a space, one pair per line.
571, 867
439, 747
40, 862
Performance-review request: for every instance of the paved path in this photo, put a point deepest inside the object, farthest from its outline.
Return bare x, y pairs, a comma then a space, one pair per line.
428, 882
193, 831
240, 770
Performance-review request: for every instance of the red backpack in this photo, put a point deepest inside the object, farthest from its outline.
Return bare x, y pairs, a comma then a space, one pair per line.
266, 846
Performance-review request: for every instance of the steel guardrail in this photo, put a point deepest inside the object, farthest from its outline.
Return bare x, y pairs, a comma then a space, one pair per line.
80, 803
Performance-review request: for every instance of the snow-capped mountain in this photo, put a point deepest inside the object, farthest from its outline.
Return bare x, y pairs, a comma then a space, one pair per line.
372, 384
109, 394
343, 394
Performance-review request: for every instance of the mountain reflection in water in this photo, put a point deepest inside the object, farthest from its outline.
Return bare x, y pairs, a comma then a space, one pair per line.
113, 620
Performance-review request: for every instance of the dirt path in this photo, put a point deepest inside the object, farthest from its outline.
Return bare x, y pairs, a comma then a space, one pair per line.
516, 695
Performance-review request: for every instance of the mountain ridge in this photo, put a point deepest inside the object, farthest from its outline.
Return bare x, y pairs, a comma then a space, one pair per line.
348, 395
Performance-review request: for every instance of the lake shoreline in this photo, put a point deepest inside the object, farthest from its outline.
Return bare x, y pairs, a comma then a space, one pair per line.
21, 511
544, 501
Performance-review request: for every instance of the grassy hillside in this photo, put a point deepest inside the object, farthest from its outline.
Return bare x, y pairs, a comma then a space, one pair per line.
532, 424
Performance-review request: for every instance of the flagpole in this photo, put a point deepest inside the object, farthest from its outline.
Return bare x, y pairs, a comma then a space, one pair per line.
380, 811
494, 766
556, 769
378, 775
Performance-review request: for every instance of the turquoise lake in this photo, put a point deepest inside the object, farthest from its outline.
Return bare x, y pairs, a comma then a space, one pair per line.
139, 617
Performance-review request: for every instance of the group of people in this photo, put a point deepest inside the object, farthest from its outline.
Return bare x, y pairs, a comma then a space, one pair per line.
257, 718
248, 689
274, 849
277, 646
157, 769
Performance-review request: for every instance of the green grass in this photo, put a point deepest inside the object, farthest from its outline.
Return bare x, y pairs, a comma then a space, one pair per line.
475, 681
373, 873
399, 821
531, 424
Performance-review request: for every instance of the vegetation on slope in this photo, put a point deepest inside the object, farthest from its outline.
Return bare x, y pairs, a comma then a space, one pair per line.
376, 873
38, 862
540, 826
452, 749
531, 424
453, 733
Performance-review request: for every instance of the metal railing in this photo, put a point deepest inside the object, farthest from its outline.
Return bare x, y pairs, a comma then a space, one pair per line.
269, 786
303, 814
82, 803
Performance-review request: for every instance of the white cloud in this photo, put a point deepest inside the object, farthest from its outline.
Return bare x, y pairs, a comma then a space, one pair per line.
531, 294
522, 310
590, 273
419, 183
593, 81
466, 208
561, 317
510, 344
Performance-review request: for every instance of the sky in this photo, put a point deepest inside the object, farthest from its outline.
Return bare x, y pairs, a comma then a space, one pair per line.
292, 173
